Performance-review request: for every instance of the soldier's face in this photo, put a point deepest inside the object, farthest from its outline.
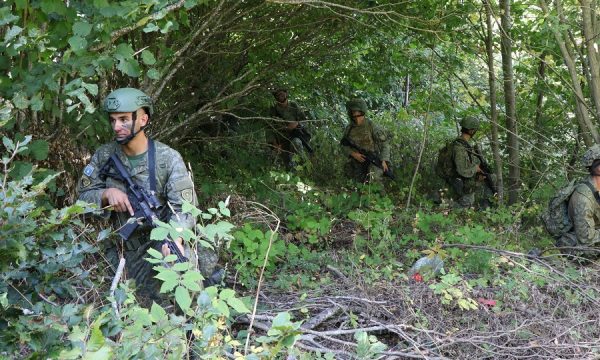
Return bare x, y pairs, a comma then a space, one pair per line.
281, 97
122, 123
358, 117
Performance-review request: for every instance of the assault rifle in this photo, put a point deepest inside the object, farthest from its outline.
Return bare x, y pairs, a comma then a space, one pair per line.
143, 203
485, 169
369, 155
301, 133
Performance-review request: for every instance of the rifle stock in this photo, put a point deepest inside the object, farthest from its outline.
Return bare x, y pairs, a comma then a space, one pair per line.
370, 156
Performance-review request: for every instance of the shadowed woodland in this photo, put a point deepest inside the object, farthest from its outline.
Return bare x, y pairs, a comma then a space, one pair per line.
318, 267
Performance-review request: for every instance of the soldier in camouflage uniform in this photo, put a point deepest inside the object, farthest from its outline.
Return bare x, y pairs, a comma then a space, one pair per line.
467, 175
369, 136
584, 210
129, 112
279, 133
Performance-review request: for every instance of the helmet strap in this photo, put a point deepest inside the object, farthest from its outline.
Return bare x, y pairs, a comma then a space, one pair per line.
133, 133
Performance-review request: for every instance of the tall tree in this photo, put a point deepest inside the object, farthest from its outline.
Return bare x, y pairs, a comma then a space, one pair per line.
489, 46
587, 129
514, 171
591, 34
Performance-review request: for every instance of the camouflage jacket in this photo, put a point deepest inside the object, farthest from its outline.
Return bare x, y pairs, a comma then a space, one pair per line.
368, 136
290, 113
584, 211
173, 184
465, 159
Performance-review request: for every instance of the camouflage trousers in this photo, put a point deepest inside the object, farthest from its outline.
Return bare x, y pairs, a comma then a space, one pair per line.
289, 148
135, 250
363, 172
575, 249
465, 190
137, 268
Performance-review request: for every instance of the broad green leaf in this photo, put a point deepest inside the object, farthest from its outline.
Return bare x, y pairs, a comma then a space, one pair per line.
159, 233
153, 74
53, 6
238, 305
148, 58
96, 340
12, 33
181, 266
82, 28
183, 298
39, 149
124, 51
103, 234
226, 294
282, 320
221, 307
6, 17
168, 286
20, 101
192, 285
155, 253
167, 275
189, 208
129, 67
151, 27
36, 103
8, 144
193, 276
165, 29
157, 313
77, 43
91, 88
4, 300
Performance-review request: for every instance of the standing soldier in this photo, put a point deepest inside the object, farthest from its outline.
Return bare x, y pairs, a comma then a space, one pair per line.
463, 166
283, 134
154, 167
364, 134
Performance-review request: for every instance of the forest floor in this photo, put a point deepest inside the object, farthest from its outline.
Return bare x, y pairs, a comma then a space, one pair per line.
521, 307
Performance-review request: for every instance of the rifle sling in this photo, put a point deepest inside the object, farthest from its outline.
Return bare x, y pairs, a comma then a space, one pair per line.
152, 165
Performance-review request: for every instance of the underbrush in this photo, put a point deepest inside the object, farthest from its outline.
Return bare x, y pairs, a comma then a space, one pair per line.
319, 273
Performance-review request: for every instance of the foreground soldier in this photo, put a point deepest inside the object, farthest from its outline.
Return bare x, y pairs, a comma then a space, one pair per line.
281, 134
464, 174
584, 210
366, 135
153, 166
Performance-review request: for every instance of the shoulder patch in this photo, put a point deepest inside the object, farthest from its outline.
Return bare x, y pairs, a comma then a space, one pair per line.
88, 170
85, 181
187, 195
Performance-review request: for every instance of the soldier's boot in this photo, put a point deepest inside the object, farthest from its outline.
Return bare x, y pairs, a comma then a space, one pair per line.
215, 278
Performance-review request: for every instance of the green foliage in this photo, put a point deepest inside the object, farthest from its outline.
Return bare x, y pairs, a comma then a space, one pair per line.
252, 248
41, 254
368, 346
454, 291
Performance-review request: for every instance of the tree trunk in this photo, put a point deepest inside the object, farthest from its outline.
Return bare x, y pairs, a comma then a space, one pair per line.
489, 45
591, 45
514, 172
588, 131
406, 91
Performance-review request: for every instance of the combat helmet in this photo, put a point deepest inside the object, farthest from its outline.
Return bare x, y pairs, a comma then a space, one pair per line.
356, 104
470, 123
128, 100
590, 155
